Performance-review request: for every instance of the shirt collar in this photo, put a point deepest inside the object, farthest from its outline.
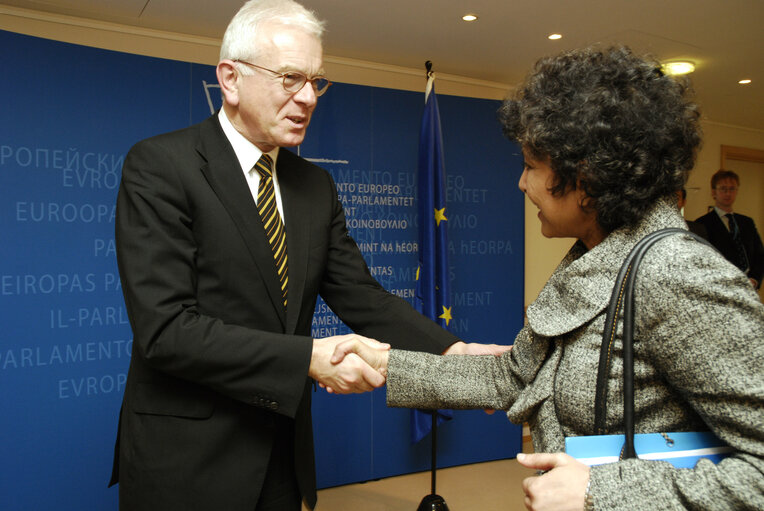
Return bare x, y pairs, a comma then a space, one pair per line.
722, 214
246, 152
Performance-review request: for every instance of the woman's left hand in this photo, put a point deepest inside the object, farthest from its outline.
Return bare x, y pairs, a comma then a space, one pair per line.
562, 487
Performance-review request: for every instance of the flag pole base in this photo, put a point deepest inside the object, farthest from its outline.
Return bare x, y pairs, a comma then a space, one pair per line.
433, 502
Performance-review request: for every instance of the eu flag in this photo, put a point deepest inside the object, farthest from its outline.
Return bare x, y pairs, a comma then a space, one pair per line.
432, 290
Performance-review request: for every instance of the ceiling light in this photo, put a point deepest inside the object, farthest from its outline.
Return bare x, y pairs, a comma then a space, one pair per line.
554, 36
678, 68
469, 17
745, 82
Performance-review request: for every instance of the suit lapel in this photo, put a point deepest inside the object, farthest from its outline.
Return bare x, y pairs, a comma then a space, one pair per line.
224, 175
724, 241
296, 200
722, 227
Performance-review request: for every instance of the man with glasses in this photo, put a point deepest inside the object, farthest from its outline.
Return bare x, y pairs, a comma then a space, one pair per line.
733, 234
224, 241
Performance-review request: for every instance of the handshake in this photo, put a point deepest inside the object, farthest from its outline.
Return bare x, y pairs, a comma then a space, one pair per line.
351, 363
346, 364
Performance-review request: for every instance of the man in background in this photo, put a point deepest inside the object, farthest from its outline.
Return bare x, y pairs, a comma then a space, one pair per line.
733, 234
224, 241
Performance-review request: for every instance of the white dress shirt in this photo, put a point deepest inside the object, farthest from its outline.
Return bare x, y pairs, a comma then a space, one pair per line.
248, 153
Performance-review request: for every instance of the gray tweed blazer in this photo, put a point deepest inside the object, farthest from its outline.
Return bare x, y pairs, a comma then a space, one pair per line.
698, 354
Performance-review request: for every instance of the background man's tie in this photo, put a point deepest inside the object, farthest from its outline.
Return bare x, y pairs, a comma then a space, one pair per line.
274, 227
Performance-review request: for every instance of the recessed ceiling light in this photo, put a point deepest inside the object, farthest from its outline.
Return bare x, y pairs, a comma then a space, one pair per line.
554, 36
469, 17
678, 68
745, 82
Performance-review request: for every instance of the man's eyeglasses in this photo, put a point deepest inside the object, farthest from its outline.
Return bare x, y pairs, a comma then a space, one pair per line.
293, 81
725, 189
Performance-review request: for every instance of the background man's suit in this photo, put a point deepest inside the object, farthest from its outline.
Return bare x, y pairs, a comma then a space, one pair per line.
217, 363
721, 238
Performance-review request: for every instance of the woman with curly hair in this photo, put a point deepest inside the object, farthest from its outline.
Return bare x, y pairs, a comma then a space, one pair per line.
608, 139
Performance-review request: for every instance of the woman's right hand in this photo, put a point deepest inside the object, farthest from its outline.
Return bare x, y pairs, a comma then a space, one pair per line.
562, 487
375, 356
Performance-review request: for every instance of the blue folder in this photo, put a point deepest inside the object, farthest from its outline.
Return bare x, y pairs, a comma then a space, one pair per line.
683, 450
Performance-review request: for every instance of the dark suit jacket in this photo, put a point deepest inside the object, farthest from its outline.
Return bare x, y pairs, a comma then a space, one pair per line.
217, 364
721, 238
697, 228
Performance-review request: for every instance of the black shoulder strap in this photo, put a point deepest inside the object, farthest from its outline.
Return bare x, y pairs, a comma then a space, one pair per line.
622, 297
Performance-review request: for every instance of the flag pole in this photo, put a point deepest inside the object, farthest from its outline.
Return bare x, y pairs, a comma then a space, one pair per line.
433, 501
434, 462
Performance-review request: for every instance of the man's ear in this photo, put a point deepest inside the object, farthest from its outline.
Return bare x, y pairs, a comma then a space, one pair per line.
228, 78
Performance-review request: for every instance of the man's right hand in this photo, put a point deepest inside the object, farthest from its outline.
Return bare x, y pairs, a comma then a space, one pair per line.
352, 374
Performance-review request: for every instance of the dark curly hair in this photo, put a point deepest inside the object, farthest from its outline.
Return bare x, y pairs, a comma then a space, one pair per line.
610, 122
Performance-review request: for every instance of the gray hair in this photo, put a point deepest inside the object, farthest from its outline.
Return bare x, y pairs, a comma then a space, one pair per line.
239, 37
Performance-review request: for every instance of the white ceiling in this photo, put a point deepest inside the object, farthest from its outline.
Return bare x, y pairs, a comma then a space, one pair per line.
723, 37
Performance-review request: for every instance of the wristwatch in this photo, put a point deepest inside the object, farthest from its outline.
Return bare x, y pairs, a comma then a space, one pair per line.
588, 499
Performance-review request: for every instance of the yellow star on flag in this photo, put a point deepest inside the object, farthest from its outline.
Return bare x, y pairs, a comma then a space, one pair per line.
446, 314
440, 214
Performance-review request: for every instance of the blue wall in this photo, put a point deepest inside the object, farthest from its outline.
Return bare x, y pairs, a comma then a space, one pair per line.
70, 114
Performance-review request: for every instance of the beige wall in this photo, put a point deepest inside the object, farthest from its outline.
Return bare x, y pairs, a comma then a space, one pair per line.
542, 255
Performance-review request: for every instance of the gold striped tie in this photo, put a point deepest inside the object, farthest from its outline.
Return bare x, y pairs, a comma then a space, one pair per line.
274, 227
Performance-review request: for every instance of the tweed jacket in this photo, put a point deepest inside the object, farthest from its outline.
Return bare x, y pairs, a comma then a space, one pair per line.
699, 346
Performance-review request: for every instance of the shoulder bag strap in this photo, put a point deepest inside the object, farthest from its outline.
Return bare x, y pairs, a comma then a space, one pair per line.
622, 297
